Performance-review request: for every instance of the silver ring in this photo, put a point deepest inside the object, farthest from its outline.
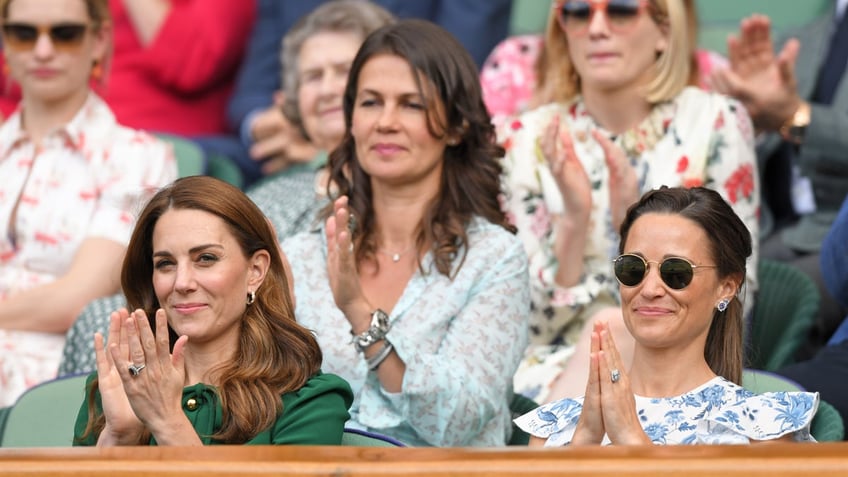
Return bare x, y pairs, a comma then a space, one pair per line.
615, 375
136, 370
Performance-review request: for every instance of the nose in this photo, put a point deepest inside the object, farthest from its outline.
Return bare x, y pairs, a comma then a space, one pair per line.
43, 46
184, 281
388, 117
333, 84
598, 22
652, 285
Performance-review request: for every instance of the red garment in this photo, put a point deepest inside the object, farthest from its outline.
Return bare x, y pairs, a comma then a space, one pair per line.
181, 82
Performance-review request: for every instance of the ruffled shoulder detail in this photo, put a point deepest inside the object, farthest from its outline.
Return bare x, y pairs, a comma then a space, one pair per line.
555, 421
760, 417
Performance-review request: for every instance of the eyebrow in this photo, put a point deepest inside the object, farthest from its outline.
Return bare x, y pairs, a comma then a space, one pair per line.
192, 250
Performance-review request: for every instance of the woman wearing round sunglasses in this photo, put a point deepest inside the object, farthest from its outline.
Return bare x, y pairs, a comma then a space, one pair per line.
624, 120
72, 180
681, 268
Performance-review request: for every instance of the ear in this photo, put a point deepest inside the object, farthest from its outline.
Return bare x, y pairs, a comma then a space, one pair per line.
102, 41
257, 269
729, 287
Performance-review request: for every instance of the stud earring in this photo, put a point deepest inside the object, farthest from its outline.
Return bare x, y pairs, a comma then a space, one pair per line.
722, 305
251, 297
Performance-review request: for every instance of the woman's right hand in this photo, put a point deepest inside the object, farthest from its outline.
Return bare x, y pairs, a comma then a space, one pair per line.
557, 147
341, 268
122, 425
590, 428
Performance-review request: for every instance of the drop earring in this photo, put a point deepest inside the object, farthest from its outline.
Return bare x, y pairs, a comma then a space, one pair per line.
251, 297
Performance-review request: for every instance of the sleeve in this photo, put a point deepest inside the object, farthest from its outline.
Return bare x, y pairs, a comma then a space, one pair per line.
478, 24
732, 171
82, 416
555, 421
450, 396
133, 169
200, 43
315, 414
259, 76
834, 257
531, 203
761, 417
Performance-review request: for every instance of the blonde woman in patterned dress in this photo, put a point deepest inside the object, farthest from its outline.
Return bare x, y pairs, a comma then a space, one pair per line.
73, 180
625, 120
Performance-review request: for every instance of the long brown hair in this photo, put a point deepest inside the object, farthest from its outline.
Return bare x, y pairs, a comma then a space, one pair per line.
470, 184
275, 354
730, 246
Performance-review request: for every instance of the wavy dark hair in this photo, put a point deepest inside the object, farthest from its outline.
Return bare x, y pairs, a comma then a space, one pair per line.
470, 184
275, 354
730, 247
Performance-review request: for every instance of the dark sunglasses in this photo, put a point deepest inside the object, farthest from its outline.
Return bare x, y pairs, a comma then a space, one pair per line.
675, 272
574, 16
23, 36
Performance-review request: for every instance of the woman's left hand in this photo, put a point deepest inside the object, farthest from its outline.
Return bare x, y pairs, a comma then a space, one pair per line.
341, 267
623, 183
618, 405
155, 391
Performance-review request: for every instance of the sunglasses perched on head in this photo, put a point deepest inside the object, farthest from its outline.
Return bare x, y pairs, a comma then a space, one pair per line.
574, 16
24, 36
675, 272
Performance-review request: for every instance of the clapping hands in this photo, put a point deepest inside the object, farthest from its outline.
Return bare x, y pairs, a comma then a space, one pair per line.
140, 381
609, 407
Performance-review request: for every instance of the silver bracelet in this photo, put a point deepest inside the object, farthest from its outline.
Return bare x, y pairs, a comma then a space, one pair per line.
375, 361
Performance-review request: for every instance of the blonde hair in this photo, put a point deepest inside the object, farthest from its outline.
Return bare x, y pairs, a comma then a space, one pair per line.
672, 69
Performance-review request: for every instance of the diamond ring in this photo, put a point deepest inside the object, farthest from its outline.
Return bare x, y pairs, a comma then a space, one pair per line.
615, 375
135, 370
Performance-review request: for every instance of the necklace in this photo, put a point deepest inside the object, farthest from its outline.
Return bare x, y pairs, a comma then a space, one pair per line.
396, 255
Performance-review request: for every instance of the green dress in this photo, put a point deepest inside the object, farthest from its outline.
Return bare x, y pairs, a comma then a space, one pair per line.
313, 415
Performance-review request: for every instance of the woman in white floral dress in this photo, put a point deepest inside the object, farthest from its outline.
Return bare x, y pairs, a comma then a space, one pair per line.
681, 267
625, 121
72, 182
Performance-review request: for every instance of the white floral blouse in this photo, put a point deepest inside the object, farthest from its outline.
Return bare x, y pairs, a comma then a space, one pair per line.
89, 178
699, 139
717, 412
461, 341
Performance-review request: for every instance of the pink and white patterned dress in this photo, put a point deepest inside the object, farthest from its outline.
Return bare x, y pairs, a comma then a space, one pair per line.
87, 179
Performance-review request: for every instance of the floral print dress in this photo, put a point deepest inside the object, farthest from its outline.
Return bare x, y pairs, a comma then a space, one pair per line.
698, 139
717, 412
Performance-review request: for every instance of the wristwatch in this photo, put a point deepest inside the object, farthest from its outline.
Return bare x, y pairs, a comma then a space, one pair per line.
377, 331
794, 128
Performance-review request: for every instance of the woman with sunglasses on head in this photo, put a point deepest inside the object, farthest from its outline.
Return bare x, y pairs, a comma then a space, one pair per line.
72, 181
625, 120
416, 286
681, 268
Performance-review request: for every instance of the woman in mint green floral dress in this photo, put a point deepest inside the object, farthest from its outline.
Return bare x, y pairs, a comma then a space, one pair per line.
680, 269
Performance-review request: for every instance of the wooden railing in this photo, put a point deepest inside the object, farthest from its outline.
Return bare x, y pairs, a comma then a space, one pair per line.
772, 460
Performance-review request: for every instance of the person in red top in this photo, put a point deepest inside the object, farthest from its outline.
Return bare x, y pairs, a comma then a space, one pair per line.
174, 63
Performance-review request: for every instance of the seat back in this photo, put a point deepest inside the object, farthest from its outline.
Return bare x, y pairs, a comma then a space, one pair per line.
786, 306
719, 18
360, 438
519, 406
827, 425
78, 352
189, 156
44, 416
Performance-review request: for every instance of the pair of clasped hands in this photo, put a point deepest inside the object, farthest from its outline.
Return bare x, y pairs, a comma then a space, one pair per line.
149, 398
609, 406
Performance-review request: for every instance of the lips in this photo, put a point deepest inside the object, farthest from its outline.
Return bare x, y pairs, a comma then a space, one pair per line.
652, 310
43, 72
387, 148
189, 308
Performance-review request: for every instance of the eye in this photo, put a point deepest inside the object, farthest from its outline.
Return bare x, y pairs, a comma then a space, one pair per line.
415, 105
207, 258
367, 103
162, 264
